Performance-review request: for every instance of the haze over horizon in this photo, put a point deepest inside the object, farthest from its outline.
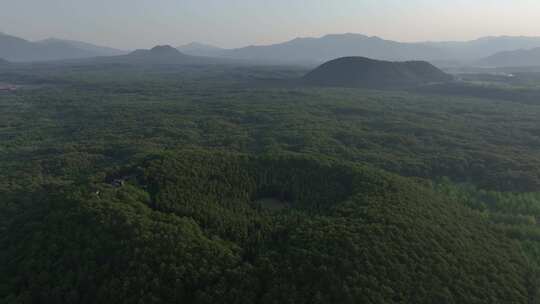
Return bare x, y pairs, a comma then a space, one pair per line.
142, 24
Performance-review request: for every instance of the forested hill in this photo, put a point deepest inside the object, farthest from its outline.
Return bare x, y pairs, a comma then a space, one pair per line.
158, 55
193, 227
365, 72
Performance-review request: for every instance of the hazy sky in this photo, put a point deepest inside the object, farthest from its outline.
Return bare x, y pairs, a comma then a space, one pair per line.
132, 24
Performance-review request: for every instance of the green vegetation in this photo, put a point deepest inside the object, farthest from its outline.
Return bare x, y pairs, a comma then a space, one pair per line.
131, 185
184, 228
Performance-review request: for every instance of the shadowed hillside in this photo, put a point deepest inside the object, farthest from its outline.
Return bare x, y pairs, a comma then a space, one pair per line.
365, 72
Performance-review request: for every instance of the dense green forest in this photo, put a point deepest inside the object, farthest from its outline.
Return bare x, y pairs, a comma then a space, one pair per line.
238, 185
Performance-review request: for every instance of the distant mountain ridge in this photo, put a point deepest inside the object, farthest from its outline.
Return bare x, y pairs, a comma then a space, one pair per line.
486, 46
310, 51
98, 50
19, 50
368, 73
318, 50
517, 58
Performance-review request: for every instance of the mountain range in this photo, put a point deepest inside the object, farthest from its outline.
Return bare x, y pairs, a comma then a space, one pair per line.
517, 58
20, 50
483, 47
312, 51
318, 50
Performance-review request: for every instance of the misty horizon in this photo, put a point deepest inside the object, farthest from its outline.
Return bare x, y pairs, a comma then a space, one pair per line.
138, 24
205, 43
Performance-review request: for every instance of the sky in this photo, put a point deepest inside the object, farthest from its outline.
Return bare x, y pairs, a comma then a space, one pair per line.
131, 24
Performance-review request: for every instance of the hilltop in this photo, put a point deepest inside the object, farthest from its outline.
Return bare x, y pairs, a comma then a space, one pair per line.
365, 72
158, 55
